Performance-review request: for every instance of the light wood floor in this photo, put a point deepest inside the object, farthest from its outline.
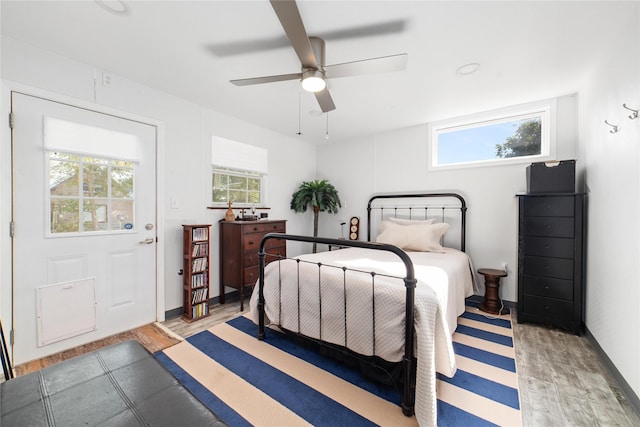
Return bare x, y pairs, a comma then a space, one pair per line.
562, 380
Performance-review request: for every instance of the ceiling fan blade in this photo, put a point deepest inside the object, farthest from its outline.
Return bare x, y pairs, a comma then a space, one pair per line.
266, 79
370, 30
383, 64
289, 16
324, 100
260, 45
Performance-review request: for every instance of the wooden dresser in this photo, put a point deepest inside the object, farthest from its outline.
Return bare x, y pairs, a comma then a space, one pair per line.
551, 259
239, 244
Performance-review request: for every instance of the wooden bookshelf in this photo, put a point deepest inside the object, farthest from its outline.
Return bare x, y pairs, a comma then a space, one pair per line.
195, 277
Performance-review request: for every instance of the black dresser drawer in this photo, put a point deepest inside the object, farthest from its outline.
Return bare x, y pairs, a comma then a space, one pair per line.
549, 206
559, 268
549, 247
549, 226
548, 287
548, 308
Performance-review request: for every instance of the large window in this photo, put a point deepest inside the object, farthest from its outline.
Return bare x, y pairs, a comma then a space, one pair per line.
512, 135
238, 172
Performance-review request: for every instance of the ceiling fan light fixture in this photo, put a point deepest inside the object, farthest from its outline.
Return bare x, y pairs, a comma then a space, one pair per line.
313, 81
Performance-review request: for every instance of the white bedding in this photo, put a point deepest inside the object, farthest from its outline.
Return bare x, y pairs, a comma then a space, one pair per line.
444, 281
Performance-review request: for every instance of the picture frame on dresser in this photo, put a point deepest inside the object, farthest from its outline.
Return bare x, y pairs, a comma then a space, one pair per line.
551, 259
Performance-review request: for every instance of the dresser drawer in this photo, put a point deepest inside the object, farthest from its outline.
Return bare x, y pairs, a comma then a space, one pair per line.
549, 206
252, 258
548, 307
547, 287
559, 268
549, 226
254, 227
277, 227
251, 241
549, 247
251, 275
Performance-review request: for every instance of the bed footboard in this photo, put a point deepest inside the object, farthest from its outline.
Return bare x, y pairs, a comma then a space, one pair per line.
408, 363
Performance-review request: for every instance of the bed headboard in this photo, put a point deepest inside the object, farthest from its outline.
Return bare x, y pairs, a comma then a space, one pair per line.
444, 207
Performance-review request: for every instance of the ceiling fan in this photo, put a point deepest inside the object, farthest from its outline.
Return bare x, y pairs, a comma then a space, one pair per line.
311, 52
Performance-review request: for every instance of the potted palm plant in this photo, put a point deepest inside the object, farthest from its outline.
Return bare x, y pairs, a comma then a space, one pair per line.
320, 195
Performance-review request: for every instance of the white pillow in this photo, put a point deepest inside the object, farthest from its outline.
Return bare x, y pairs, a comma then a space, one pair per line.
423, 238
403, 221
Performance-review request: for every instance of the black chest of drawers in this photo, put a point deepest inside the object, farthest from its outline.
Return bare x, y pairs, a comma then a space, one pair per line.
551, 259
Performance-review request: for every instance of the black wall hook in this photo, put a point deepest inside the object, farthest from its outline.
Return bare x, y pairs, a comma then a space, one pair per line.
615, 127
634, 114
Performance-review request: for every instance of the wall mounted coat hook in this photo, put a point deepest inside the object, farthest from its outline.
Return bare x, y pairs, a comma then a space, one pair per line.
634, 114
614, 127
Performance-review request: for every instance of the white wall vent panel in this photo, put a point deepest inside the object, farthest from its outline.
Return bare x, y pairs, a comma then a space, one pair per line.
65, 310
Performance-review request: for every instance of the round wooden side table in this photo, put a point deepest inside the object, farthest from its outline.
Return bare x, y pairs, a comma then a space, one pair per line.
491, 303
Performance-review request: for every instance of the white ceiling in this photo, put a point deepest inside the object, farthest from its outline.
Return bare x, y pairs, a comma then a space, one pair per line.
527, 51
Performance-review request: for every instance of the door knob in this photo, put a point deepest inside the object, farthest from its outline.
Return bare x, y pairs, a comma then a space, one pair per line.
148, 241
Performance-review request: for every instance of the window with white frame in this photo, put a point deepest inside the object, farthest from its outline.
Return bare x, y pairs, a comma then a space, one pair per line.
91, 173
238, 172
511, 135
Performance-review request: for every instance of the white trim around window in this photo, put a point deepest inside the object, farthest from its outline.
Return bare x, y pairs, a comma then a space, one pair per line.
544, 111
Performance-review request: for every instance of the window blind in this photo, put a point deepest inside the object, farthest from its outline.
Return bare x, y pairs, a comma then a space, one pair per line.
237, 155
69, 137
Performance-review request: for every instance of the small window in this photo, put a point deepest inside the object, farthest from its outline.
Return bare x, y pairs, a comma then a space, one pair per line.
89, 194
239, 187
238, 172
513, 135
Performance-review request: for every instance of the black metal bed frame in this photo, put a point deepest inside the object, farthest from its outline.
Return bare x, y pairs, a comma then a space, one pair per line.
408, 360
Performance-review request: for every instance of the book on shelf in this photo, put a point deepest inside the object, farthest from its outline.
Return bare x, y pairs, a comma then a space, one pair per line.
199, 279
199, 310
200, 233
198, 296
198, 265
200, 249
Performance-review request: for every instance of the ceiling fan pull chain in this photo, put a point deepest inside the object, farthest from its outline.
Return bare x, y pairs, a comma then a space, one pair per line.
326, 135
299, 111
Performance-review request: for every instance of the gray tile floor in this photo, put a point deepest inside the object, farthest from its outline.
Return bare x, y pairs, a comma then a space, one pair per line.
564, 383
562, 380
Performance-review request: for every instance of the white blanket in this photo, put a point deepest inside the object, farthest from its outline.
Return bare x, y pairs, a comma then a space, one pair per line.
444, 280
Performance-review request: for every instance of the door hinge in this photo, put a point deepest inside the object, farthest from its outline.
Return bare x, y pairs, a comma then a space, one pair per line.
11, 337
11, 120
12, 228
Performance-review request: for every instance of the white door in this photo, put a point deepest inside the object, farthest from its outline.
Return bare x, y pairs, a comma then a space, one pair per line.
84, 209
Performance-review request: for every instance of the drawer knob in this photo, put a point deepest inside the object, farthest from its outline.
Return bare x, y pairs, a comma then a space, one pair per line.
251, 242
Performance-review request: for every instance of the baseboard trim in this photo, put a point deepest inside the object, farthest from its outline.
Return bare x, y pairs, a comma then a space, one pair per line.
177, 312
626, 389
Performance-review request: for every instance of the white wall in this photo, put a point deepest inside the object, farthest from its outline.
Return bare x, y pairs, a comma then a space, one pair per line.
186, 170
397, 162
612, 181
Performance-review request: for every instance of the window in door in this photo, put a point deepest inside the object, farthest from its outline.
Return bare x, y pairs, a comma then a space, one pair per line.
91, 174
89, 194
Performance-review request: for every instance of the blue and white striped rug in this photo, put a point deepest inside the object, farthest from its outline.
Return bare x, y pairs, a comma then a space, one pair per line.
279, 383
